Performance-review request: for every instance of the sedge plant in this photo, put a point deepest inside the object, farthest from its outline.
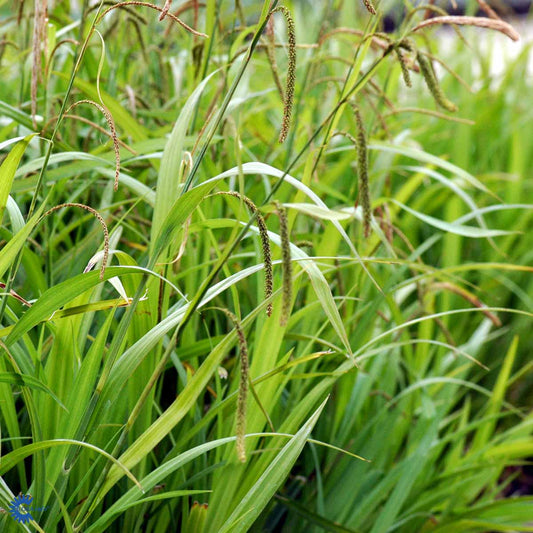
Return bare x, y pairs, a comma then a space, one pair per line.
264, 267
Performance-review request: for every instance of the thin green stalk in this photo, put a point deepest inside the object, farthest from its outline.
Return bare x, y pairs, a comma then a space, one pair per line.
344, 99
227, 98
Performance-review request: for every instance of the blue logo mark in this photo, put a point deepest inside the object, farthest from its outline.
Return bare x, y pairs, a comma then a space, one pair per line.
20, 508
17, 510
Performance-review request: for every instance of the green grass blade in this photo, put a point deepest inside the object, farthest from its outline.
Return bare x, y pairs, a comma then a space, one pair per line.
10, 251
24, 380
168, 179
8, 169
258, 497
11, 459
58, 296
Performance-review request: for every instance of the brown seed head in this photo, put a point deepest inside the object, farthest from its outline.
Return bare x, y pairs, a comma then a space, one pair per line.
265, 243
102, 223
291, 73
243, 387
286, 264
113, 131
369, 7
426, 69
362, 167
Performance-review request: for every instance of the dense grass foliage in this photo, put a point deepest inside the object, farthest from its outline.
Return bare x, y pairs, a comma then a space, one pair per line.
264, 267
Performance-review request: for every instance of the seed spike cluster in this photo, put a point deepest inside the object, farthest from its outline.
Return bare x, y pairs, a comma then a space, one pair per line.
428, 73
265, 243
426, 68
240, 428
369, 7
111, 124
102, 223
39, 39
286, 264
288, 100
403, 65
362, 169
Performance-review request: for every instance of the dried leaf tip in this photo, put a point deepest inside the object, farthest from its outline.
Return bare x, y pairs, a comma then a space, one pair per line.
163, 10
480, 22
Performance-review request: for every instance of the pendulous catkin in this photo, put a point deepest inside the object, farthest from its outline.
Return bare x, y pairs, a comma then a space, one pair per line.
403, 65
369, 7
111, 124
362, 167
265, 243
285, 263
40, 20
102, 223
240, 427
288, 99
426, 68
